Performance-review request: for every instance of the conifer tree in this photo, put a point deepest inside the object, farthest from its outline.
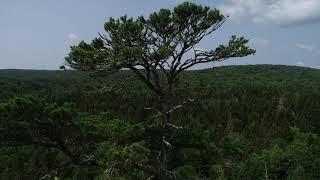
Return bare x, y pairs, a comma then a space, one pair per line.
158, 49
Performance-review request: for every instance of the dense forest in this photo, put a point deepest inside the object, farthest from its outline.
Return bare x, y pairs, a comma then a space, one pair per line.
246, 122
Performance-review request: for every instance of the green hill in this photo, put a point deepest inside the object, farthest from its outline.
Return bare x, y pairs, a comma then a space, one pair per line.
269, 75
244, 119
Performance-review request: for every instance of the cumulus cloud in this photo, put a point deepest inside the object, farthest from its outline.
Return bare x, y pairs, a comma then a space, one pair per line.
282, 12
237, 9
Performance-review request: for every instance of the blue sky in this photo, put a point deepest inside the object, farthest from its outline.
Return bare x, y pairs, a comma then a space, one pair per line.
36, 34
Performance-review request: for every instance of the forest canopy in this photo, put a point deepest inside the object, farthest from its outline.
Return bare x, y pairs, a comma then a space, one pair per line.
246, 121
127, 106
158, 49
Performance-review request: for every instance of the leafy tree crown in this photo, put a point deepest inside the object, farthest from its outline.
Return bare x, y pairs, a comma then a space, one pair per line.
159, 42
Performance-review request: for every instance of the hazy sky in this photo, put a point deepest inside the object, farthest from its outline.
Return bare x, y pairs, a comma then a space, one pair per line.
36, 34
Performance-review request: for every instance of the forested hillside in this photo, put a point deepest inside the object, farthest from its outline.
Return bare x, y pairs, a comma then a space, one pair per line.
246, 122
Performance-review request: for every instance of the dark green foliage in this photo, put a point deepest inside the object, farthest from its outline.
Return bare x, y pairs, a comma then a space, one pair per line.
157, 49
159, 41
249, 122
49, 140
295, 158
238, 127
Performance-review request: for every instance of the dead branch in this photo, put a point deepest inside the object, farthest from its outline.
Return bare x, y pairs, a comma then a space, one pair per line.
180, 106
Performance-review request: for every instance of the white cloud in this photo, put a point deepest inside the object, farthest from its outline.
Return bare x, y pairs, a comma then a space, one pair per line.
237, 9
300, 63
73, 37
259, 42
286, 12
282, 12
307, 47
312, 48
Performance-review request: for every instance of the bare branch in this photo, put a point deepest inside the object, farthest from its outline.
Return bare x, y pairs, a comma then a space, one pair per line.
174, 126
180, 106
152, 109
166, 142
